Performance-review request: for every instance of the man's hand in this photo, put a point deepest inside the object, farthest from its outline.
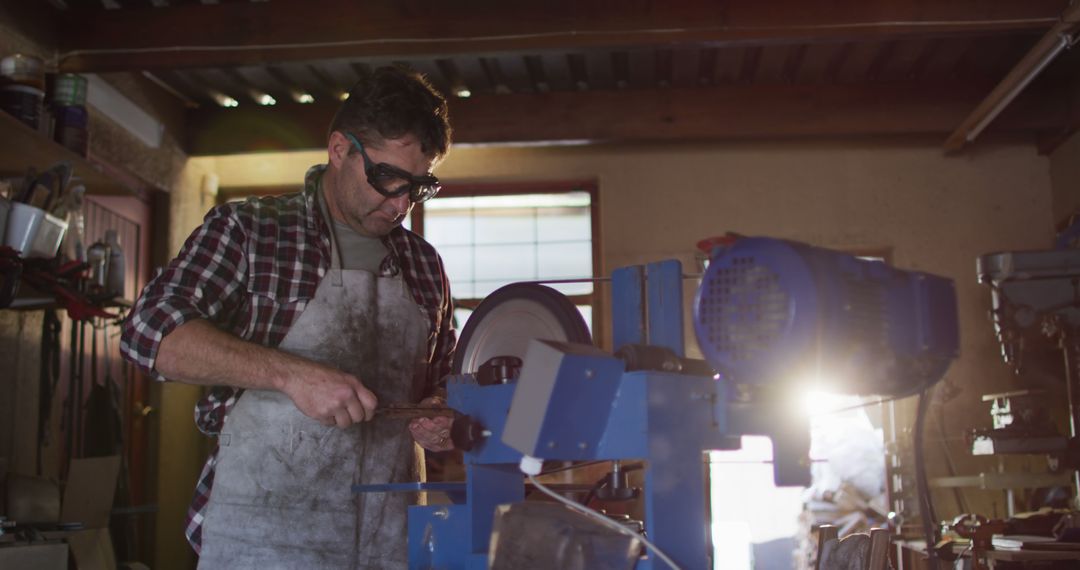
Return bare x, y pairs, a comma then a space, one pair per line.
330, 396
199, 353
433, 434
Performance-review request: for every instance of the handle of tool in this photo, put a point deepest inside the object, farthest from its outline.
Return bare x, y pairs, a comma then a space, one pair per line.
411, 412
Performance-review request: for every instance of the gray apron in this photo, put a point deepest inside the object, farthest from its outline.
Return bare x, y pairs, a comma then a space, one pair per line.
282, 493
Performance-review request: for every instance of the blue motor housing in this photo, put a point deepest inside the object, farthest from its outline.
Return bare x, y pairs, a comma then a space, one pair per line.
771, 311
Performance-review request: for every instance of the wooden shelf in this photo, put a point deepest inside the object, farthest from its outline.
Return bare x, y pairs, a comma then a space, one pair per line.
22, 147
37, 303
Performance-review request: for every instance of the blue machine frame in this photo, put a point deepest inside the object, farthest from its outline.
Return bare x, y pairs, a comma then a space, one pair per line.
576, 402
666, 419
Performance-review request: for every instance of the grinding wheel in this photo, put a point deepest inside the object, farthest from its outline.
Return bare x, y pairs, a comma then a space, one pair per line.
510, 317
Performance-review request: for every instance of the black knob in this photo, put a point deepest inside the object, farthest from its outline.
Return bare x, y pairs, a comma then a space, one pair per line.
466, 433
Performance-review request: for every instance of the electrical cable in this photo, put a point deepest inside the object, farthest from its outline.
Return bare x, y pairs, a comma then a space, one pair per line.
605, 521
865, 404
958, 495
574, 466
926, 504
595, 489
626, 466
558, 34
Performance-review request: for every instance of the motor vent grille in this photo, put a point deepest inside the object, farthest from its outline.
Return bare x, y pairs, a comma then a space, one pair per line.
744, 310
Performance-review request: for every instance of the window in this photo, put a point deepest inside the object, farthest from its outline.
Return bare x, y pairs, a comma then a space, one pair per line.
491, 236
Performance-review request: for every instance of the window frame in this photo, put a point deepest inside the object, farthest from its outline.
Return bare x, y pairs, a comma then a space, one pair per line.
465, 190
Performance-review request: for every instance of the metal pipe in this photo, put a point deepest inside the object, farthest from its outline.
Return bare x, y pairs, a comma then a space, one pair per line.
1048, 47
1062, 43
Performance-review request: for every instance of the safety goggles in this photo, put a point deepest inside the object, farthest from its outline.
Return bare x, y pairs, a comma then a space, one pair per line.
391, 181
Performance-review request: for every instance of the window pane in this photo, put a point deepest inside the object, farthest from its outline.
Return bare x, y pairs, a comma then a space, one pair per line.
586, 313
461, 315
564, 225
565, 260
572, 288
484, 288
506, 226
458, 260
509, 262
448, 228
493, 240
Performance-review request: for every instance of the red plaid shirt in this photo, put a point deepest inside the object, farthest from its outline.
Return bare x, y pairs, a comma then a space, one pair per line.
251, 268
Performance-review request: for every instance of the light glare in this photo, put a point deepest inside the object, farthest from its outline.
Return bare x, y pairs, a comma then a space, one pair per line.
225, 100
817, 401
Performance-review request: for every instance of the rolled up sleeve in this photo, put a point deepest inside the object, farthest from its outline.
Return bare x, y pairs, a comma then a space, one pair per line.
203, 282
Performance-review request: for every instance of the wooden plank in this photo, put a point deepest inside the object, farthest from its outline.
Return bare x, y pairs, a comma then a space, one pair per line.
748, 68
836, 63
22, 147
793, 63
881, 60
718, 113
929, 51
707, 66
246, 33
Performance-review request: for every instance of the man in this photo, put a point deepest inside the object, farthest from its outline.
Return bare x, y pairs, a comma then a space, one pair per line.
305, 312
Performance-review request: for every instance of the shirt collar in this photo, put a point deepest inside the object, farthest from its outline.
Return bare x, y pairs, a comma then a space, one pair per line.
312, 180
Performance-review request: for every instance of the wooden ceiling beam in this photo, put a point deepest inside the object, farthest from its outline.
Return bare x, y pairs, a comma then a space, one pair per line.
676, 114
252, 33
793, 63
929, 51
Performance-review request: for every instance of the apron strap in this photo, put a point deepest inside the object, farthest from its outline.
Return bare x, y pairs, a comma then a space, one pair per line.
337, 262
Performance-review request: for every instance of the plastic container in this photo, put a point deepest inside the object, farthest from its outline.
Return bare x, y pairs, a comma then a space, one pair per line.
97, 256
115, 280
22, 227
49, 235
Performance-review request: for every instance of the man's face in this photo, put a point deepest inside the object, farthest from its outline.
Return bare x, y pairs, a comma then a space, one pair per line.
351, 199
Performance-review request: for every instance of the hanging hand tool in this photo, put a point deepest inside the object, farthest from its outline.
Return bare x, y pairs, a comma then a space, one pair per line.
10, 274
48, 380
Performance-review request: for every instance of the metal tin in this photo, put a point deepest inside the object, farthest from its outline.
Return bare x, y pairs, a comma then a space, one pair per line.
71, 128
24, 103
23, 70
69, 89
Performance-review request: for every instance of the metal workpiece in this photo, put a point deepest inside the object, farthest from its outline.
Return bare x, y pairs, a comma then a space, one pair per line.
412, 411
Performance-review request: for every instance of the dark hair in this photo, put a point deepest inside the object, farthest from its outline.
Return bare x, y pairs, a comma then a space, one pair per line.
391, 102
